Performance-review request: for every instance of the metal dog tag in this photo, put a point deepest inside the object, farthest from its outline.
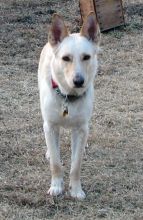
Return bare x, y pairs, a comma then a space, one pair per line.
65, 109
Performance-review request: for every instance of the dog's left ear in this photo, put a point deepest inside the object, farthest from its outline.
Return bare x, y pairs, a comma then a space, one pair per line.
90, 28
57, 31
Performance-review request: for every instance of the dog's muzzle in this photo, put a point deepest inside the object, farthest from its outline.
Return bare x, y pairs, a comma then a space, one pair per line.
78, 81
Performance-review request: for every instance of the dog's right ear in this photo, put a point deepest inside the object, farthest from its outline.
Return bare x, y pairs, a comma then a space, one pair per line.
57, 31
90, 28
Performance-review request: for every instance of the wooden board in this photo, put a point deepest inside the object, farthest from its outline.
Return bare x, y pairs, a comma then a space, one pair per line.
86, 6
109, 13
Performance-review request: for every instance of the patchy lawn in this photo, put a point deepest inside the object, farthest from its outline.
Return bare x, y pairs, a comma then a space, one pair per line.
112, 171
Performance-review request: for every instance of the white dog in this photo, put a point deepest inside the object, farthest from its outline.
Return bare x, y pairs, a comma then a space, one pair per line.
67, 69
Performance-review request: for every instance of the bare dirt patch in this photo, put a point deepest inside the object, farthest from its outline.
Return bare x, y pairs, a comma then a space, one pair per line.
112, 171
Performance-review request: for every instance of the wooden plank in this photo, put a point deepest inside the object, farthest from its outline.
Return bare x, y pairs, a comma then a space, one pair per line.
109, 13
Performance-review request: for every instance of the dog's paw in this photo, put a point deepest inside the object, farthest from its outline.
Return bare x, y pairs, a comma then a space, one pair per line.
56, 188
55, 191
77, 193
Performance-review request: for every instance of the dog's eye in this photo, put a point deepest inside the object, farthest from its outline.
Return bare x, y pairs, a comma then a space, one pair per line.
86, 57
66, 58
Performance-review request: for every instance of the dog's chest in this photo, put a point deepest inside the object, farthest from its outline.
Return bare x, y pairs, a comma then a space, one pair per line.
68, 114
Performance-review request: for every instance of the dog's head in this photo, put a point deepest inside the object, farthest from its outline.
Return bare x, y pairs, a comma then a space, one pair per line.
74, 62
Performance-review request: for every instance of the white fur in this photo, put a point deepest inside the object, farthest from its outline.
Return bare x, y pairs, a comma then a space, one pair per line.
51, 65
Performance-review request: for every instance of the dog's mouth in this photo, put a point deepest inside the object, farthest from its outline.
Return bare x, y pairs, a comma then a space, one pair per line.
70, 88
77, 91
79, 87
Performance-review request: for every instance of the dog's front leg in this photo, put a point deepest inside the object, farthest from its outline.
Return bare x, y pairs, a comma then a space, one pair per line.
79, 139
52, 141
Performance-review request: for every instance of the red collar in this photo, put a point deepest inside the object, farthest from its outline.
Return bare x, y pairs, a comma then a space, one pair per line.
54, 84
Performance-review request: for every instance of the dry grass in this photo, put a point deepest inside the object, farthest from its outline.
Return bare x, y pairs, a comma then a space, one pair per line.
112, 171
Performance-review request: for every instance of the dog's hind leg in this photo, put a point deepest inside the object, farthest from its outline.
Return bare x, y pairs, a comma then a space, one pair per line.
79, 139
52, 141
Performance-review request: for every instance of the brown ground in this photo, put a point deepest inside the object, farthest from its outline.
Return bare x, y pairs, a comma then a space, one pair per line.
112, 171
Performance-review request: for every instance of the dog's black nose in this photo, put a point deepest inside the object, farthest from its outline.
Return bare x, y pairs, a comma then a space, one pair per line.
78, 81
